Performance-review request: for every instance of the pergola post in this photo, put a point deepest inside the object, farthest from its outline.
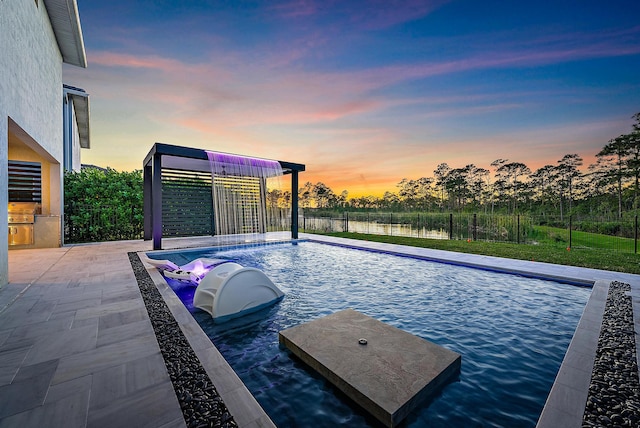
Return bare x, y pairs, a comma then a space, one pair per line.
156, 201
147, 202
294, 205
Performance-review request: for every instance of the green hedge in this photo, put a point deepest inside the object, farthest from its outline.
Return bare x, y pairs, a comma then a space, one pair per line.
103, 205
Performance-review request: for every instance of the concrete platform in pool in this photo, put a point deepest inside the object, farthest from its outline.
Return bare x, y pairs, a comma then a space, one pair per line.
77, 348
385, 370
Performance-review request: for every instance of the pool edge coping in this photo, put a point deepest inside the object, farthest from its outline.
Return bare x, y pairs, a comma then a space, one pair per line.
566, 402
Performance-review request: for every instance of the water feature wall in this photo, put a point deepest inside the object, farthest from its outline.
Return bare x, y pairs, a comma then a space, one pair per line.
239, 192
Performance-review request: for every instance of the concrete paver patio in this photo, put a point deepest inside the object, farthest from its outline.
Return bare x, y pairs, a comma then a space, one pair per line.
77, 348
76, 345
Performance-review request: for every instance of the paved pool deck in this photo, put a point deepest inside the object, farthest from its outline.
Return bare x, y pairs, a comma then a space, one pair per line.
77, 348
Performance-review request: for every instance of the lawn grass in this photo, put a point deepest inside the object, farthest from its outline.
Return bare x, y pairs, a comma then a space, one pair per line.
596, 258
553, 235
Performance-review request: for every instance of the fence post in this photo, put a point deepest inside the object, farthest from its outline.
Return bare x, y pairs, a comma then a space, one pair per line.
570, 225
304, 222
346, 221
518, 230
450, 226
635, 235
391, 224
475, 227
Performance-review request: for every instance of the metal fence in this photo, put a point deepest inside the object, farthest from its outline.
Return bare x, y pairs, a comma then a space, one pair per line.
83, 223
570, 232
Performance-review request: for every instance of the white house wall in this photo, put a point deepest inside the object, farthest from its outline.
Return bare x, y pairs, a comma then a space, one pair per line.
30, 92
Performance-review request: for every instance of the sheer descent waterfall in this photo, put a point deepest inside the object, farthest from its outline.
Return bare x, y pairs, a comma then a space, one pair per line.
239, 190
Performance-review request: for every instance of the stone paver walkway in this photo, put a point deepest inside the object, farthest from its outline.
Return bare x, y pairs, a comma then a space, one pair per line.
76, 345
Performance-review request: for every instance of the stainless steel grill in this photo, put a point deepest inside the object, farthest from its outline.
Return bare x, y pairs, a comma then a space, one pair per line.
21, 219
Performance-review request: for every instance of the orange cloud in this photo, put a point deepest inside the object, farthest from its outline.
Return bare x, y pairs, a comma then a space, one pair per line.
343, 124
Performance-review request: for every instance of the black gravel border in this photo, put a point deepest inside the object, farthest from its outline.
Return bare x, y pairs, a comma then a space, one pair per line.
201, 404
614, 399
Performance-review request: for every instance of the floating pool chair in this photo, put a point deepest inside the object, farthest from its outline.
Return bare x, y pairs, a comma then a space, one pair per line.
230, 290
193, 271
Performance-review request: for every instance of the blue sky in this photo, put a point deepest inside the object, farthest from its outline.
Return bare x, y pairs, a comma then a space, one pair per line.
364, 93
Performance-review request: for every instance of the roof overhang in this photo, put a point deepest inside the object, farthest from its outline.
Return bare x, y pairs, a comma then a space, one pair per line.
65, 21
80, 101
187, 158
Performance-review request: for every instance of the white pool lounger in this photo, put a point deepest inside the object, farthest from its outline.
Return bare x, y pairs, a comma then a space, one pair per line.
193, 271
230, 291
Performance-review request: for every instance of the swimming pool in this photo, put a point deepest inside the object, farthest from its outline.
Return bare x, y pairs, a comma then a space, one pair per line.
512, 332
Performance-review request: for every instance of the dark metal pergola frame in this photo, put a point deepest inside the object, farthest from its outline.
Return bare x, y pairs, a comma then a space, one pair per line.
152, 173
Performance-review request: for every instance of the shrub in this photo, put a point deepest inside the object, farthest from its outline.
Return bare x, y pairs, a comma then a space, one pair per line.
103, 205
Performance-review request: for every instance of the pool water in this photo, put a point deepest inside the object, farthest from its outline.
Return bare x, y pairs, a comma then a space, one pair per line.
512, 332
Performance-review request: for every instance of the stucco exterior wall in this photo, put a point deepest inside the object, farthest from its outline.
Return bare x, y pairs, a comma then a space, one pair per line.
30, 92
4, 136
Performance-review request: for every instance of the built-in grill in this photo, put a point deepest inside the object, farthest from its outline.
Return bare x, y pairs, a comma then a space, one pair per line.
21, 219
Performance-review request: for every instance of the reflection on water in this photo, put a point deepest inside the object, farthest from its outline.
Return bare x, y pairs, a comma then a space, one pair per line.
399, 229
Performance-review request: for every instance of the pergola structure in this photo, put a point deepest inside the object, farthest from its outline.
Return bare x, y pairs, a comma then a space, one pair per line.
177, 158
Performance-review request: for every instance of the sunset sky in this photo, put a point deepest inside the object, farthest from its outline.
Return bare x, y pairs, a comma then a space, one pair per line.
364, 93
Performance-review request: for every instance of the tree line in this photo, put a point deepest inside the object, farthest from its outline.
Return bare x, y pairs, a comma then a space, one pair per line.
608, 188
